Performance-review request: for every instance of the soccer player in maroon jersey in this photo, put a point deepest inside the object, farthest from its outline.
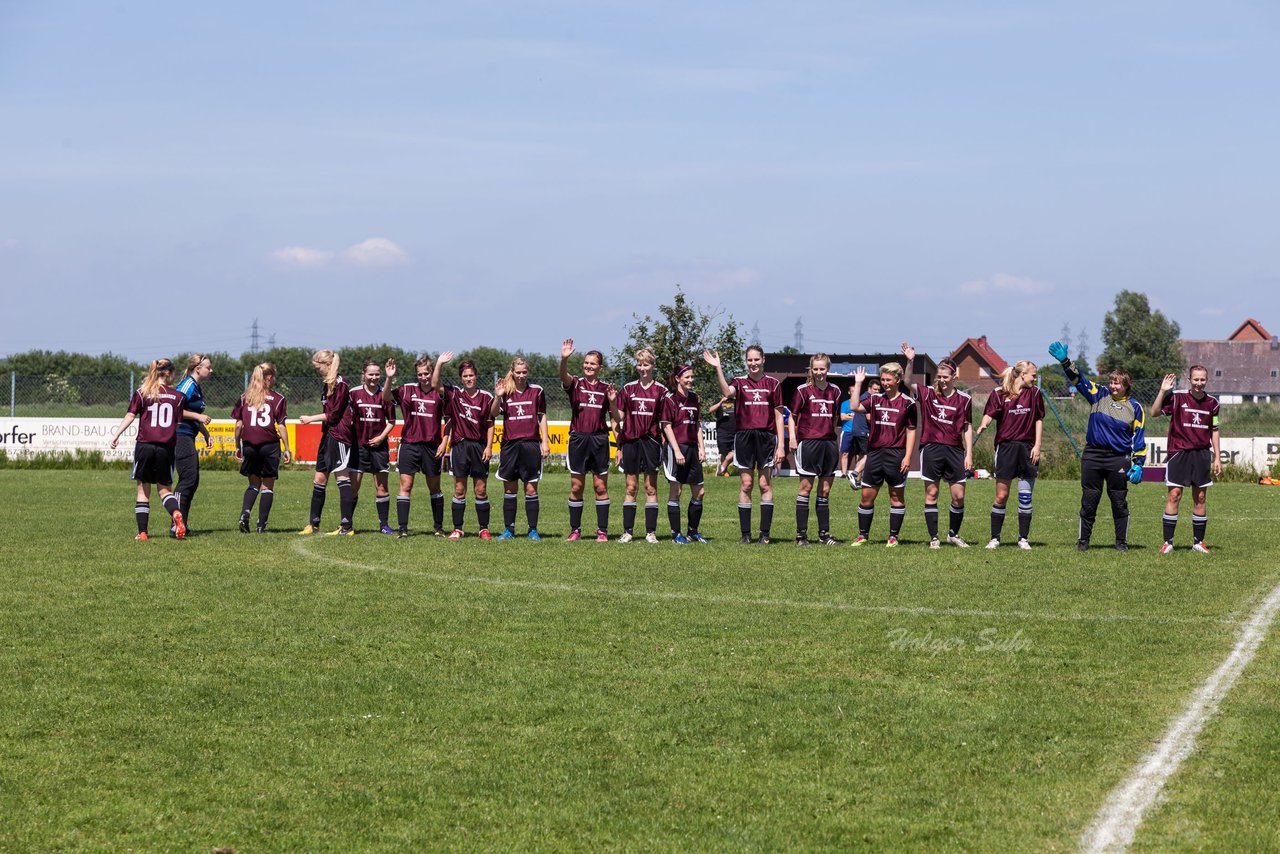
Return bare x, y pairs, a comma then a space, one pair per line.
1017, 407
1194, 452
758, 443
158, 407
588, 438
680, 417
373, 420
469, 440
422, 405
525, 444
815, 408
892, 417
946, 441
261, 442
636, 409
336, 437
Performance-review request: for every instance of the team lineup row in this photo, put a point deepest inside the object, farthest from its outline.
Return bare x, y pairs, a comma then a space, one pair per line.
874, 431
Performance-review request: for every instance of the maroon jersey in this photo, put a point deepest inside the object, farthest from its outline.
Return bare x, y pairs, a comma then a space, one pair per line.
469, 417
158, 419
1192, 421
943, 417
1016, 419
756, 401
372, 414
684, 414
639, 408
521, 413
423, 409
259, 422
338, 416
815, 412
889, 420
589, 405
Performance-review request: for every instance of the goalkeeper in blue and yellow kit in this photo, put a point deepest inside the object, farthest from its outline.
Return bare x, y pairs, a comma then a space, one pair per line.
1115, 447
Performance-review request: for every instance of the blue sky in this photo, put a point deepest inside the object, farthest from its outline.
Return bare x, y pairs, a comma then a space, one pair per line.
439, 176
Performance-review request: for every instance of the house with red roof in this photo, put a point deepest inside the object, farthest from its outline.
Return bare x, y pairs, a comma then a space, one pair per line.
1243, 368
978, 365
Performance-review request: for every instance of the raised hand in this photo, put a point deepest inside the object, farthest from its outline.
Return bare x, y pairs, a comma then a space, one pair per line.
390, 369
1058, 350
910, 353
1168, 382
566, 349
446, 356
711, 357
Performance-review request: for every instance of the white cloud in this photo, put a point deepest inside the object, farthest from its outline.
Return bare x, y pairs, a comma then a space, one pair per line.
302, 258
374, 252
1003, 283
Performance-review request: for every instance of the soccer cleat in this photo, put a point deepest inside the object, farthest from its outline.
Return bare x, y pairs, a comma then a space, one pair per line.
141, 537
651, 537
507, 534
745, 541
626, 537
679, 539
485, 535
1200, 547
385, 529
827, 540
179, 526
402, 534
852, 477
695, 537
956, 541
574, 536
342, 532
802, 540
308, 531
1082, 546
173, 532
533, 535
602, 536
456, 534
994, 544
261, 529
1023, 544
1122, 547
244, 525
1166, 547
859, 540
763, 540
438, 532
935, 544
891, 543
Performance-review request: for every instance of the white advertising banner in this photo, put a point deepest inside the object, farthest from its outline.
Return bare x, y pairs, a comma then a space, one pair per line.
1258, 454
20, 437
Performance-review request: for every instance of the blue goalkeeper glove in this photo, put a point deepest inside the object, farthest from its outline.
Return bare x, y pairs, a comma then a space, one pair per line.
1135, 473
1058, 350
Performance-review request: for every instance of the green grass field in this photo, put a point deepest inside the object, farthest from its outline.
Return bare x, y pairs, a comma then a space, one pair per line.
278, 693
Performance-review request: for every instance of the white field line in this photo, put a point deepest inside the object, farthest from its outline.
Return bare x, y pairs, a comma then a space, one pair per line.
300, 546
1117, 822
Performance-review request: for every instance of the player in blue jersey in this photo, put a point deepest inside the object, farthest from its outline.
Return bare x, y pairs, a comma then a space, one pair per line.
186, 461
1115, 447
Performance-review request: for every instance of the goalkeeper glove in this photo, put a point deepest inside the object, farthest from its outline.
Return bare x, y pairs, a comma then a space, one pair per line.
1058, 350
1135, 473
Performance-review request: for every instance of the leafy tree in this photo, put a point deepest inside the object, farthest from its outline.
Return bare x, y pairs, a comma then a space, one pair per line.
1139, 340
679, 335
64, 364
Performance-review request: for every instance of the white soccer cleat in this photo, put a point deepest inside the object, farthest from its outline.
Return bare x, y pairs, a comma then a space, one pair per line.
934, 544
1166, 548
1024, 545
956, 541
626, 537
1200, 547
651, 537
994, 544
